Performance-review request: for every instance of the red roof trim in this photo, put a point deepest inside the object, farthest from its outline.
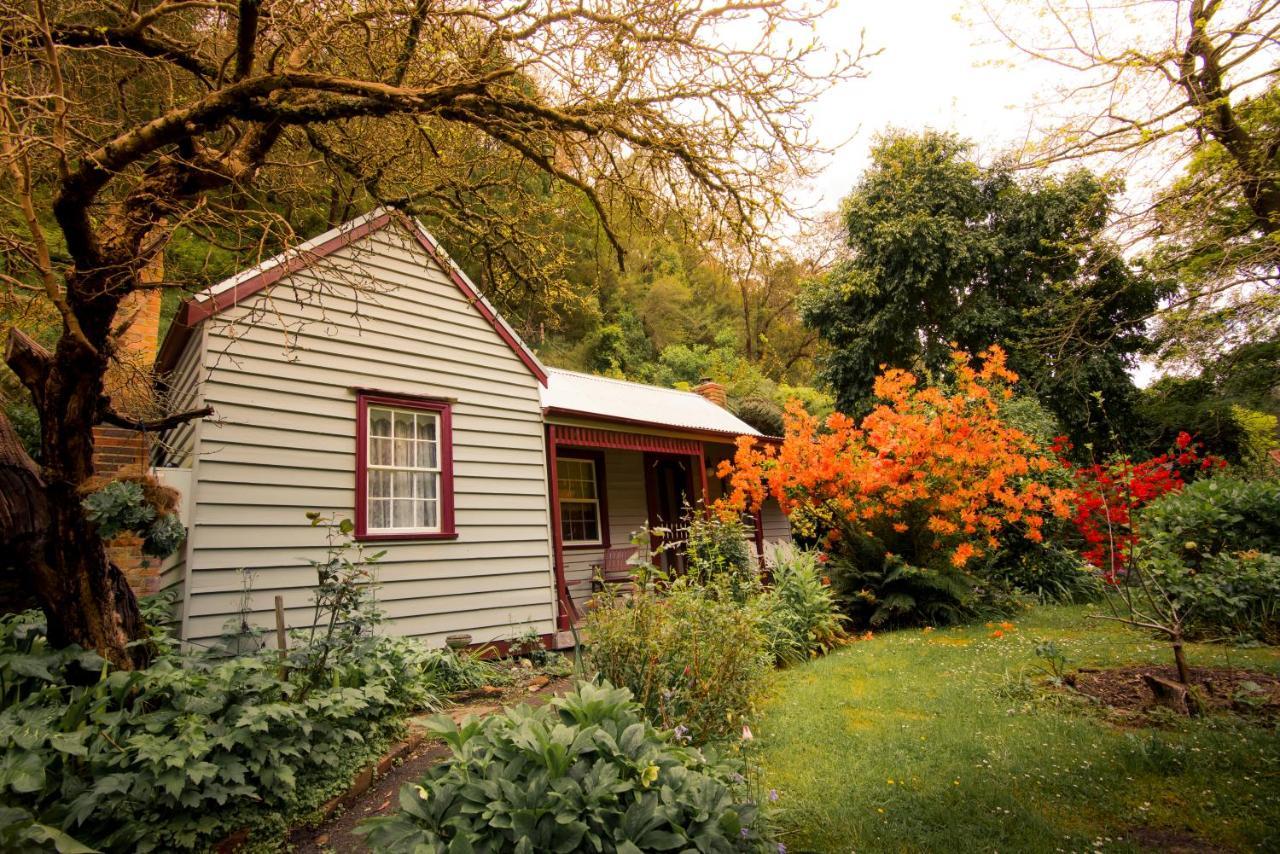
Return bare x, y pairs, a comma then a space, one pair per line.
194, 311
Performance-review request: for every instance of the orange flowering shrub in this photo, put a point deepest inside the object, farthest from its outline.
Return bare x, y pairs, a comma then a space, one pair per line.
921, 490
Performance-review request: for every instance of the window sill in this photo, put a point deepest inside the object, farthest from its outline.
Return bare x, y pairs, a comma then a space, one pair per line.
407, 536
569, 547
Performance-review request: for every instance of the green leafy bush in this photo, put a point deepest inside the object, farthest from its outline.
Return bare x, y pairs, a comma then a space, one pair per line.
1214, 549
1048, 572
691, 659
718, 556
798, 614
176, 756
586, 773
875, 589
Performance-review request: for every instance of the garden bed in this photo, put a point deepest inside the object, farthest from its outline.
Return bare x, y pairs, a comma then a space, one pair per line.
1224, 689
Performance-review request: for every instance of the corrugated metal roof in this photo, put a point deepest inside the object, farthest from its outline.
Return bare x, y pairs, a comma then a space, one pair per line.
605, 397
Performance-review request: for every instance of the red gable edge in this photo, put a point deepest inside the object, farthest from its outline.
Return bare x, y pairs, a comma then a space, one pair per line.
193, 312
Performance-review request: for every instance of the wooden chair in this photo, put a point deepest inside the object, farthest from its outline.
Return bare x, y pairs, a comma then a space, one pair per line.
614, 570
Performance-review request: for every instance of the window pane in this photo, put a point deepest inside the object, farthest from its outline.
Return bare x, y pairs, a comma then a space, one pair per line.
579, 522
402, 484
404, 431
379, 513
402, 512
576, 478
426, 428
426, 484
379, 422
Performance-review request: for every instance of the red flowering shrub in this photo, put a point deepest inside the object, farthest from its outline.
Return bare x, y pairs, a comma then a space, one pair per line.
1108, 494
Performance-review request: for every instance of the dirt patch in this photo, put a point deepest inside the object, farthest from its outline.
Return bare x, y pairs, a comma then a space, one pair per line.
337, 833
1245, 692
1170, 841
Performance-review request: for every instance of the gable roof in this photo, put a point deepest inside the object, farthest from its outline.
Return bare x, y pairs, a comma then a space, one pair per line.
589, 396
562, 392
244, 285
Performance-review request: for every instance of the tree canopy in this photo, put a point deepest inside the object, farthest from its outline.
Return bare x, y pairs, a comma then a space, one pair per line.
946, 251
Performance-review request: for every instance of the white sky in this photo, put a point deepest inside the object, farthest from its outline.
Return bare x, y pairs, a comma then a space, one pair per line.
934, 71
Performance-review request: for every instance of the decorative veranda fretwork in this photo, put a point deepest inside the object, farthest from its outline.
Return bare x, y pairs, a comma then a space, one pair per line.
590, 437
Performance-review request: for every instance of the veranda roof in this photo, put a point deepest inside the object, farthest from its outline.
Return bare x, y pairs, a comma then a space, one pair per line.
570, 393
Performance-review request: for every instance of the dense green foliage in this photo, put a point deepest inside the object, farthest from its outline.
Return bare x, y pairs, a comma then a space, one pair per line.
1231, 405
1047, 572
797, 614
194, 747
692, 660
718, 557
587, 772
949, 251
1214, 549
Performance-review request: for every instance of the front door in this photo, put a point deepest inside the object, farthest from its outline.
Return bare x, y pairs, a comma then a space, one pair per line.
669, 489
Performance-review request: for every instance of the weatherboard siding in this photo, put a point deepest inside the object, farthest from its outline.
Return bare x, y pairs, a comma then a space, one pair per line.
176, 448
774, 521
282, 372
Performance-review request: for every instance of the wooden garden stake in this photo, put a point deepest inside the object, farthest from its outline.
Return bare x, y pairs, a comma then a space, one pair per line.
282, 642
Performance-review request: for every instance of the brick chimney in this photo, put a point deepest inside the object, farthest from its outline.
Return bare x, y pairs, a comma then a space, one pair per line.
118, 452
711, 390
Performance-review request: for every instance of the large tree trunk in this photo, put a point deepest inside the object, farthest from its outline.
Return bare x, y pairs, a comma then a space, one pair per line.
87, 600
24, 519
84, 596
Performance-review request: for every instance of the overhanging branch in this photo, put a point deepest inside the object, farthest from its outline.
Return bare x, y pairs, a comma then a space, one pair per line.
159, 425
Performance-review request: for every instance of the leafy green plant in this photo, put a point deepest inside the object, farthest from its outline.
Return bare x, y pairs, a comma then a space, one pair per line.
1213, 549
1054, 658
718, 555
798, 614
124, 506
528, 644
345, 611
692, 660
586, 773
175, 756
1048, 572
454, 671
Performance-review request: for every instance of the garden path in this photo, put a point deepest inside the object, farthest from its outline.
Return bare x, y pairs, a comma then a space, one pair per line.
337, 833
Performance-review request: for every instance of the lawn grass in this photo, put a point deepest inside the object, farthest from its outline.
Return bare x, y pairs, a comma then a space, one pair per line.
936, 741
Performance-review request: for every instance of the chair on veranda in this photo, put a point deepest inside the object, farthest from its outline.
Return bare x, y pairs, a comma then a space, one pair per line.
615, 572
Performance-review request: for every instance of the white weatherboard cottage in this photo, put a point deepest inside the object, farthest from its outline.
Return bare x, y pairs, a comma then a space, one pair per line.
407, 404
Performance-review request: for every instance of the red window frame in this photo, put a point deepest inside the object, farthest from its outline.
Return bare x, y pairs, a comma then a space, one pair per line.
602, 499
444, 411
